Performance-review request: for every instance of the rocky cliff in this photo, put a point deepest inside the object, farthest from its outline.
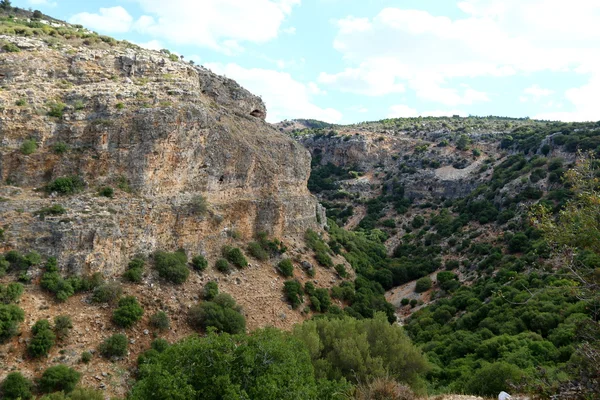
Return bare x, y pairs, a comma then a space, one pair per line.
163, 133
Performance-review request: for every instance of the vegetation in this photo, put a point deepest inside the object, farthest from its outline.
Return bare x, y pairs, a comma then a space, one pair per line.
10, 318
10, 293
66, 185
106, 191
211, 290
128, 313
221, 313
199, 263
160, 321
16, 387
222, 265
29, 147
235, 256
107, 293
114, 346
172, 266
135, 269
293, 292
63, 288
42, 339
286, 268
58, 378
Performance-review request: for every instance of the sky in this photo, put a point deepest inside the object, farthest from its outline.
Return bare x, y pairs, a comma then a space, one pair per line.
347, 61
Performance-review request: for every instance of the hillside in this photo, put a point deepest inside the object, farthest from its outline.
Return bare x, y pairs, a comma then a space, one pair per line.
160, 240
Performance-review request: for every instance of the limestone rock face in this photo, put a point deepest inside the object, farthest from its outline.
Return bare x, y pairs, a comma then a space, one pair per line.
161, 133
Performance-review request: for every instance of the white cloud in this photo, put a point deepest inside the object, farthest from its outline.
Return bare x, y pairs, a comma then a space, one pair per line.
404, 111
112, 20
535, 93
583, 100
152, 45
429, 54
284, 96
222, 25
42, 2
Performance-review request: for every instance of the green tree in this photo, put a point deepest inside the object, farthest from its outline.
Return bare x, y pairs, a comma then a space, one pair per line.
114, 346
361, 350
16, 387
6, 5
268, 364
42, 340
57, 378
128, 313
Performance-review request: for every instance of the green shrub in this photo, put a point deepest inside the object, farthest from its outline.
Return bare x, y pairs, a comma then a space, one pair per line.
10, 293
128, 313
423, 285
222, 313
135, 270
57, 378
160, 321
413, 303
159, 345
66, 185
107, 293
493, 378
172, 266
79, 393
106, 191
293, 293
211, 290
16, 387
62, 326
56, 109
10, 318
60, 148
173, 57
256, 251
55, 209
199, 263
86, 357
222, 265
114, 346
404, 301
11, 48
361, 350
29, 147
42, 340
341, 270
119, 106
324, 259
286, 268
235, 256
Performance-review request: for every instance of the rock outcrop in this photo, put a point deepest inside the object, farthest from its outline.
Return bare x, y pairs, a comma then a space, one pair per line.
163, 133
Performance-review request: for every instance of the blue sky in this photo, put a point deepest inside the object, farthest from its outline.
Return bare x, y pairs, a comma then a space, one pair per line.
348, 61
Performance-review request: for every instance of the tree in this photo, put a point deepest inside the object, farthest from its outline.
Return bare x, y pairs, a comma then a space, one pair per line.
268, 364
463, 142
6, 5
59, 377
114, 346
15, 387
574, 236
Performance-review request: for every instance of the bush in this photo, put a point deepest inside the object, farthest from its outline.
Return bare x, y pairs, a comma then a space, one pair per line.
256, 251
341, 270
235, 256
423, 285
42, 340
222, 313
56, 109
160, 321
128, 313
10, 318
107, 293
60, 148
172, 266
10, 293
293, 293
86, 357
286, 268
11, 48
211, 290
135, 270
199, 263
66, 185
493, 378
29, 147
404, 301
62, 325
159, 345
16, 387
55, 209
222, 265
114, 346
58, 378
79, 393
106, 191
383, 388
